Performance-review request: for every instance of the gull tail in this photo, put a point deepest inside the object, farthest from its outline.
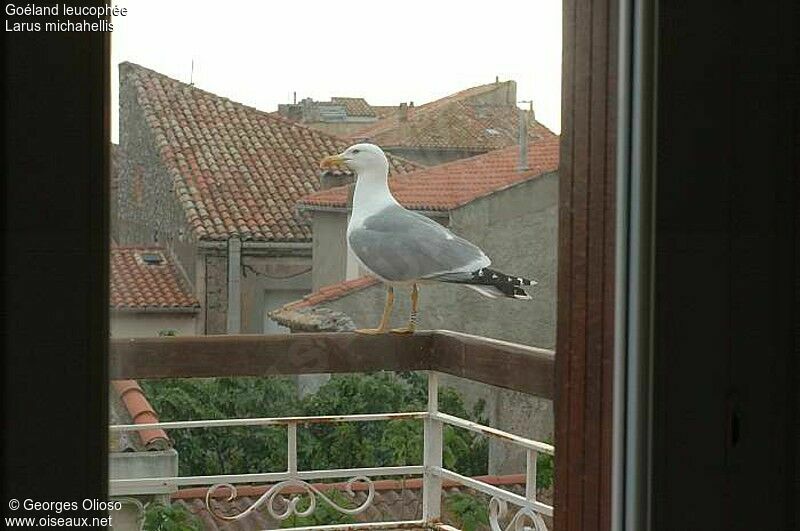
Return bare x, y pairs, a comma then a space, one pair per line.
491, 283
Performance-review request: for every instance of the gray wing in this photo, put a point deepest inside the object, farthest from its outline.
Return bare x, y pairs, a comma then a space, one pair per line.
398, 244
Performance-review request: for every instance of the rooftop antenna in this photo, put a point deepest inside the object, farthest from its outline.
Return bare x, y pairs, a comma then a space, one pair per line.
191, 75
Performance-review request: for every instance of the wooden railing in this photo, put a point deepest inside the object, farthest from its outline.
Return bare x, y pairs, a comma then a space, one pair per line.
498, 363
510, 366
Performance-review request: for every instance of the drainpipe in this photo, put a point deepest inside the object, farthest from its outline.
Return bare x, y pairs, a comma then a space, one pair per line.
234, 285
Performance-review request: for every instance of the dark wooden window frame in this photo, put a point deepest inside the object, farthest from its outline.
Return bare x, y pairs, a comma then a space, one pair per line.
586, 267
57, 107
583, 367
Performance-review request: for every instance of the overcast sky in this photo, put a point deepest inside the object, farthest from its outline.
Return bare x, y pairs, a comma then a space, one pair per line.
258, 53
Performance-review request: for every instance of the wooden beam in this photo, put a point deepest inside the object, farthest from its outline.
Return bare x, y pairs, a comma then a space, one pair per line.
520, 368
586, 267
267, 355
507, 365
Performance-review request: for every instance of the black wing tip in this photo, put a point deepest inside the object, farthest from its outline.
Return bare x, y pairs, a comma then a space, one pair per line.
508, 285
491, 275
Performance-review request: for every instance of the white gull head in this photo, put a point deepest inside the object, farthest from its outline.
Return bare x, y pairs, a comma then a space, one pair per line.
366, 160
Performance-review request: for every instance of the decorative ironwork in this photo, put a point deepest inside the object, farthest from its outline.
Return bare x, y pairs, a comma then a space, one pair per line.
528, 518
498, 509
292, 508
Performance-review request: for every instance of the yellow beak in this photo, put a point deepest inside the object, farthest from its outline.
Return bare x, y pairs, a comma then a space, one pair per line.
332, 161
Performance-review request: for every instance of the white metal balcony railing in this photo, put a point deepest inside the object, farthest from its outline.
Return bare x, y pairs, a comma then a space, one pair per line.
528, 514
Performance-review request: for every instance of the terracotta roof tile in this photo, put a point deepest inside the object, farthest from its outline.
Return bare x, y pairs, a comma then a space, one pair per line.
454, 184
460, 121
236, 170
305, 315
136, 285
384, 111
332, 292
355, 106
141, 412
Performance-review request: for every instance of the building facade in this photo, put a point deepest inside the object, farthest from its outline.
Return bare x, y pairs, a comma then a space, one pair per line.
506, 207
215, 183
150, 296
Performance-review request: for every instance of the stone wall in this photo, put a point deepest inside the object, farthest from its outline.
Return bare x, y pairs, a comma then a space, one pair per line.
215, 301
148, 209
260, 273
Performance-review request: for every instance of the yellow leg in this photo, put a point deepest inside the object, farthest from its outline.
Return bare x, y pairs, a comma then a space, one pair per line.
383, 327
412, 319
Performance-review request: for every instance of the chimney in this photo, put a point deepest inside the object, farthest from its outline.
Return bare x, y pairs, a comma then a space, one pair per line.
511, 94
402, 114
294, 97
523, 141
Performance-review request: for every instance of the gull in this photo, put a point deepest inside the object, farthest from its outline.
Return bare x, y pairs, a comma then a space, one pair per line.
404, 248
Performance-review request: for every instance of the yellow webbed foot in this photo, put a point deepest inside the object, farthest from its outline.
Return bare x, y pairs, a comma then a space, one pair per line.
406, 330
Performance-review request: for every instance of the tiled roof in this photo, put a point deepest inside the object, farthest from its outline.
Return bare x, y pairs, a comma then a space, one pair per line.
454, 184
384, 111
333, 292
394, 500
141, 412
303, 314
137, 285
236, 170
459, 121
355, 106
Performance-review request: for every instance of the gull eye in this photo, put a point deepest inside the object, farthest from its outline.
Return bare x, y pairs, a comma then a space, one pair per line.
355, 151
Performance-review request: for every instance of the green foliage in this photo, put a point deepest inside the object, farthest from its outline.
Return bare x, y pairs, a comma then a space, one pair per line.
544, 471
323, 514
158, 517
320, 446
469, 512
226, 450
167, 332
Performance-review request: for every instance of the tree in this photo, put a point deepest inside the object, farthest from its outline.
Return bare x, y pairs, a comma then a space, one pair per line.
226, 450
320, 446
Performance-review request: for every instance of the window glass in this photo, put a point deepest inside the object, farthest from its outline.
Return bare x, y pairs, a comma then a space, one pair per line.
284, 168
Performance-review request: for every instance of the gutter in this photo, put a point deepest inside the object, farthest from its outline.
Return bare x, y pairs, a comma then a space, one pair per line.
223, 244
259, 248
